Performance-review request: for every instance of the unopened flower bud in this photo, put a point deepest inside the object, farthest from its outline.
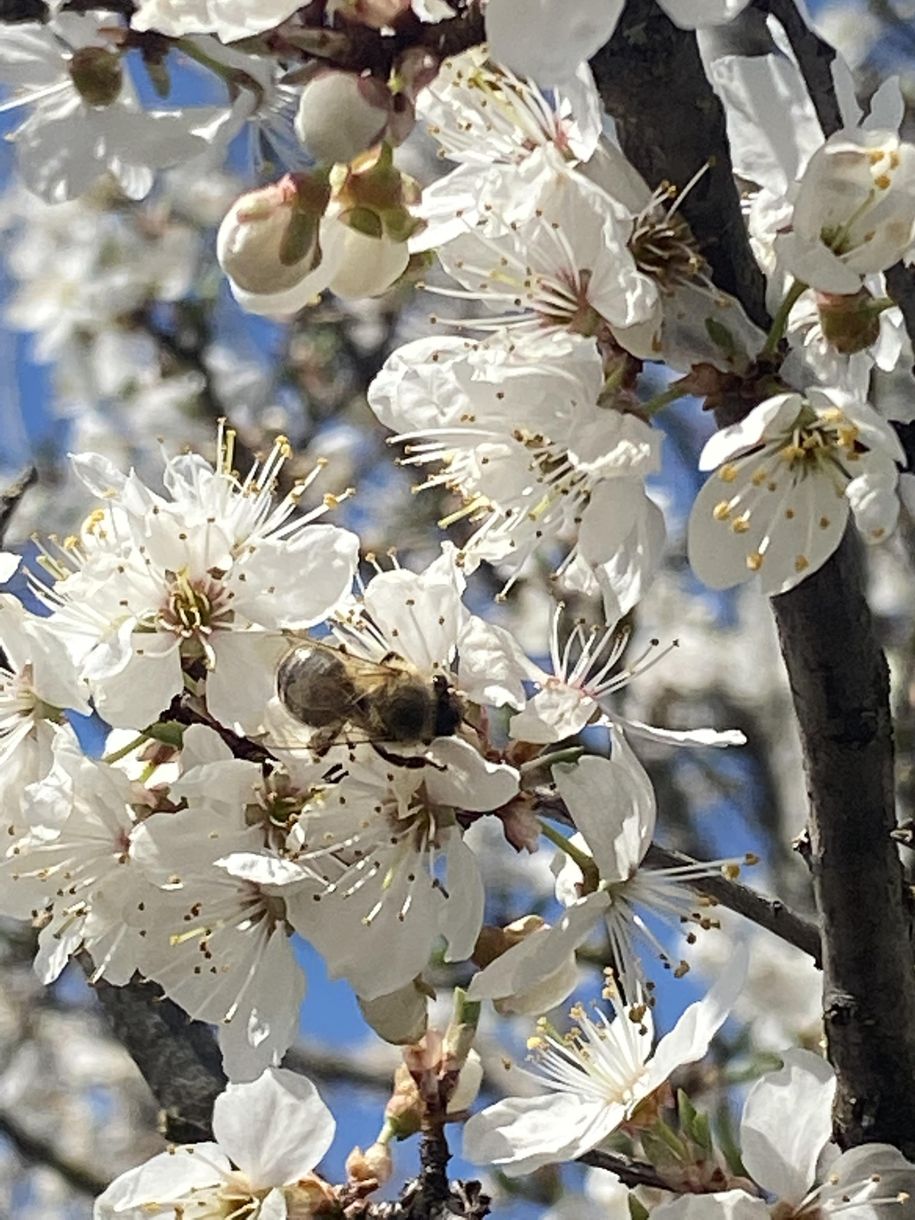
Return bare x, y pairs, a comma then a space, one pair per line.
97, 75
268, 241
374, 197
373, 1165
849, 323
341, 115
368, 265
404, 1110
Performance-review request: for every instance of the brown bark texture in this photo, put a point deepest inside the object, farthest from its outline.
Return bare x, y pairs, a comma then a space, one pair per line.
669, 121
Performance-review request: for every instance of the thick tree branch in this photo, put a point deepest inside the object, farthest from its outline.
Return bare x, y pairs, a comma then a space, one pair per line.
177, 1057
652, 82
840, 687
670, 124
769, 913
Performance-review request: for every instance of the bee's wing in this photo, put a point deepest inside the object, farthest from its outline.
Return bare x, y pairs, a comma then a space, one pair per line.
354, 661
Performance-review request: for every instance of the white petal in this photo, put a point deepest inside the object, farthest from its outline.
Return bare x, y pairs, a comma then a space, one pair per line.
612, 803
243, 681
143, 689
787, 1120
469, 781
770, 416
525, 966
519, 1134
522, 35
875, 504
729, 1205
492, 666
689, 1040
162, 1179
462, 917
276, 1129
9, 563
700, 738
556, 711
696, 14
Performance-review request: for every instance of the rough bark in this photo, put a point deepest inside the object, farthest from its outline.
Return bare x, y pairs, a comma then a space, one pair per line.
670, 124
178, 1058
840, 687
652, 82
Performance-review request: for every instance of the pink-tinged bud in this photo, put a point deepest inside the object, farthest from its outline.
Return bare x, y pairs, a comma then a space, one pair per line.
268, 242
373, 1165
341, 115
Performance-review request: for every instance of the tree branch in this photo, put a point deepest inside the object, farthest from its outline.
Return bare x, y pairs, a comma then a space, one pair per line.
38, 1151
177, 1057
670, 123
10, 498
652, 81
769, 913
840, 688
629, 1172
814, 57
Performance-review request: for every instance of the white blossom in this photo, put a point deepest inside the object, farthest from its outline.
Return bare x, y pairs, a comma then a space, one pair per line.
86, 118
79, 860
204, 576
268, 1137
786, 477
785, 1147
533, 457
854, 212
37, 684
613, 807
598, 1075
576, 692
227, 20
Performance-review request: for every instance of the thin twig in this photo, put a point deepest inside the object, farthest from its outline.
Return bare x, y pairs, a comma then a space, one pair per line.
629, 1171
769, 913
814, 57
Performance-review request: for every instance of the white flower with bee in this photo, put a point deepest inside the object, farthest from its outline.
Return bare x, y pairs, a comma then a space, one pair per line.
375, 862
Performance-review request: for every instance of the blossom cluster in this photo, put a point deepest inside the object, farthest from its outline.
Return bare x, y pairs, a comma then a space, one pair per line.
304, 742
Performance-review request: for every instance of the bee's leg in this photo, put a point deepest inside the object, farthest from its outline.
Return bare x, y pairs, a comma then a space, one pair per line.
412, 761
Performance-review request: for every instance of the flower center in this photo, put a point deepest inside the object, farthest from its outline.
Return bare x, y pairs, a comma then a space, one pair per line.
662, 243
193, 610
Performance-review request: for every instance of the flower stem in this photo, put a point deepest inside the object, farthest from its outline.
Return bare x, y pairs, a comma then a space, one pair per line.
232, 76
671, 394
584, 861
570, 754
780, 321
134, 744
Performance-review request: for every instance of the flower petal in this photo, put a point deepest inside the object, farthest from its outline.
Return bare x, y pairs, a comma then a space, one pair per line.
787, 1120
276, 1128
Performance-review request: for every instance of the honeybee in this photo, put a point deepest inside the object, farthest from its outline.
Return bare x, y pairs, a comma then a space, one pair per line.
329, 689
